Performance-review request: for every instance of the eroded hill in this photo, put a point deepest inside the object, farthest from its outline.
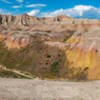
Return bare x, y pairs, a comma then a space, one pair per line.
57, 47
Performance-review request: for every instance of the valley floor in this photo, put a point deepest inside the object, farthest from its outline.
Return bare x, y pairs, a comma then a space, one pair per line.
36, 89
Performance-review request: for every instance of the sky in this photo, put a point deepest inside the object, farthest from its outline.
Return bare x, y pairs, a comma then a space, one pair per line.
49, 8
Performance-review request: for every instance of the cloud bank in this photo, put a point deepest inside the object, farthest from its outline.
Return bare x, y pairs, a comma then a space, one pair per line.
79, 11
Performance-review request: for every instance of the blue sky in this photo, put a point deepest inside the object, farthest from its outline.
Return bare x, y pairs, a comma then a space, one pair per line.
48, 8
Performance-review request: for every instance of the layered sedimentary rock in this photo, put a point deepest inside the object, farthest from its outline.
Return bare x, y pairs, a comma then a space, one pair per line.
26, 20
17, 41
78, 38
84, 52
3, 36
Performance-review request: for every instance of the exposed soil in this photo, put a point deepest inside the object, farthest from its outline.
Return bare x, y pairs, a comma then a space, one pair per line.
20, 89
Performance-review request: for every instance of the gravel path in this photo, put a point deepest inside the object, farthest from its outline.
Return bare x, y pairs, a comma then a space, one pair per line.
21, 89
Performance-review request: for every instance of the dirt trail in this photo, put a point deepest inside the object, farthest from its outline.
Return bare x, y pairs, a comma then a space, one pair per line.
21, 89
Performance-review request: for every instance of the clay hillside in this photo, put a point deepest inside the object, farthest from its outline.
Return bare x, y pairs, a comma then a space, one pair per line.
60, 47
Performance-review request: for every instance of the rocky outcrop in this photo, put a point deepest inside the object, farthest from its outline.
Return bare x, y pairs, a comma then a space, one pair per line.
49, 37
6, 19
26, 20
84, 53
18, 41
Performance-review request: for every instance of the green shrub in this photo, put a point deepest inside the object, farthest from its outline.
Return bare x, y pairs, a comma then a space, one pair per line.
54, 68
48, 31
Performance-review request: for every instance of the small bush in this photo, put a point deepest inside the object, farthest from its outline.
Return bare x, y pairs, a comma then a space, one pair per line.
54, 68
48, 31
48, 56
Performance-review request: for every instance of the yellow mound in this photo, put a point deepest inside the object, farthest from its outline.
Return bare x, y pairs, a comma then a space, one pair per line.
75, 40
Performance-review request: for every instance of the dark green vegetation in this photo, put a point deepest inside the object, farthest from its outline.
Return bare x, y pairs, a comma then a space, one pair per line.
54, 68
48, 31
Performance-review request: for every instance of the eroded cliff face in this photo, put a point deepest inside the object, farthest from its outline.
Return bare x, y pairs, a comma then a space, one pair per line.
26, 20
76, 39
84, 53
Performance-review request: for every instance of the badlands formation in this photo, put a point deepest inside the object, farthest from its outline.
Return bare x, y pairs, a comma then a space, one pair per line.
56, 47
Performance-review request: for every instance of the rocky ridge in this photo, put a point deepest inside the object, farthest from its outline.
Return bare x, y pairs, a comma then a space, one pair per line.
27, 20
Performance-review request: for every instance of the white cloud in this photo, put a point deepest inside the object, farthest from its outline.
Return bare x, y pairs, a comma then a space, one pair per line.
81, 8
16, 6
76, 11
36, 5
19, 0
6, 1
80, 11
34, 12
52, 14
2, 11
